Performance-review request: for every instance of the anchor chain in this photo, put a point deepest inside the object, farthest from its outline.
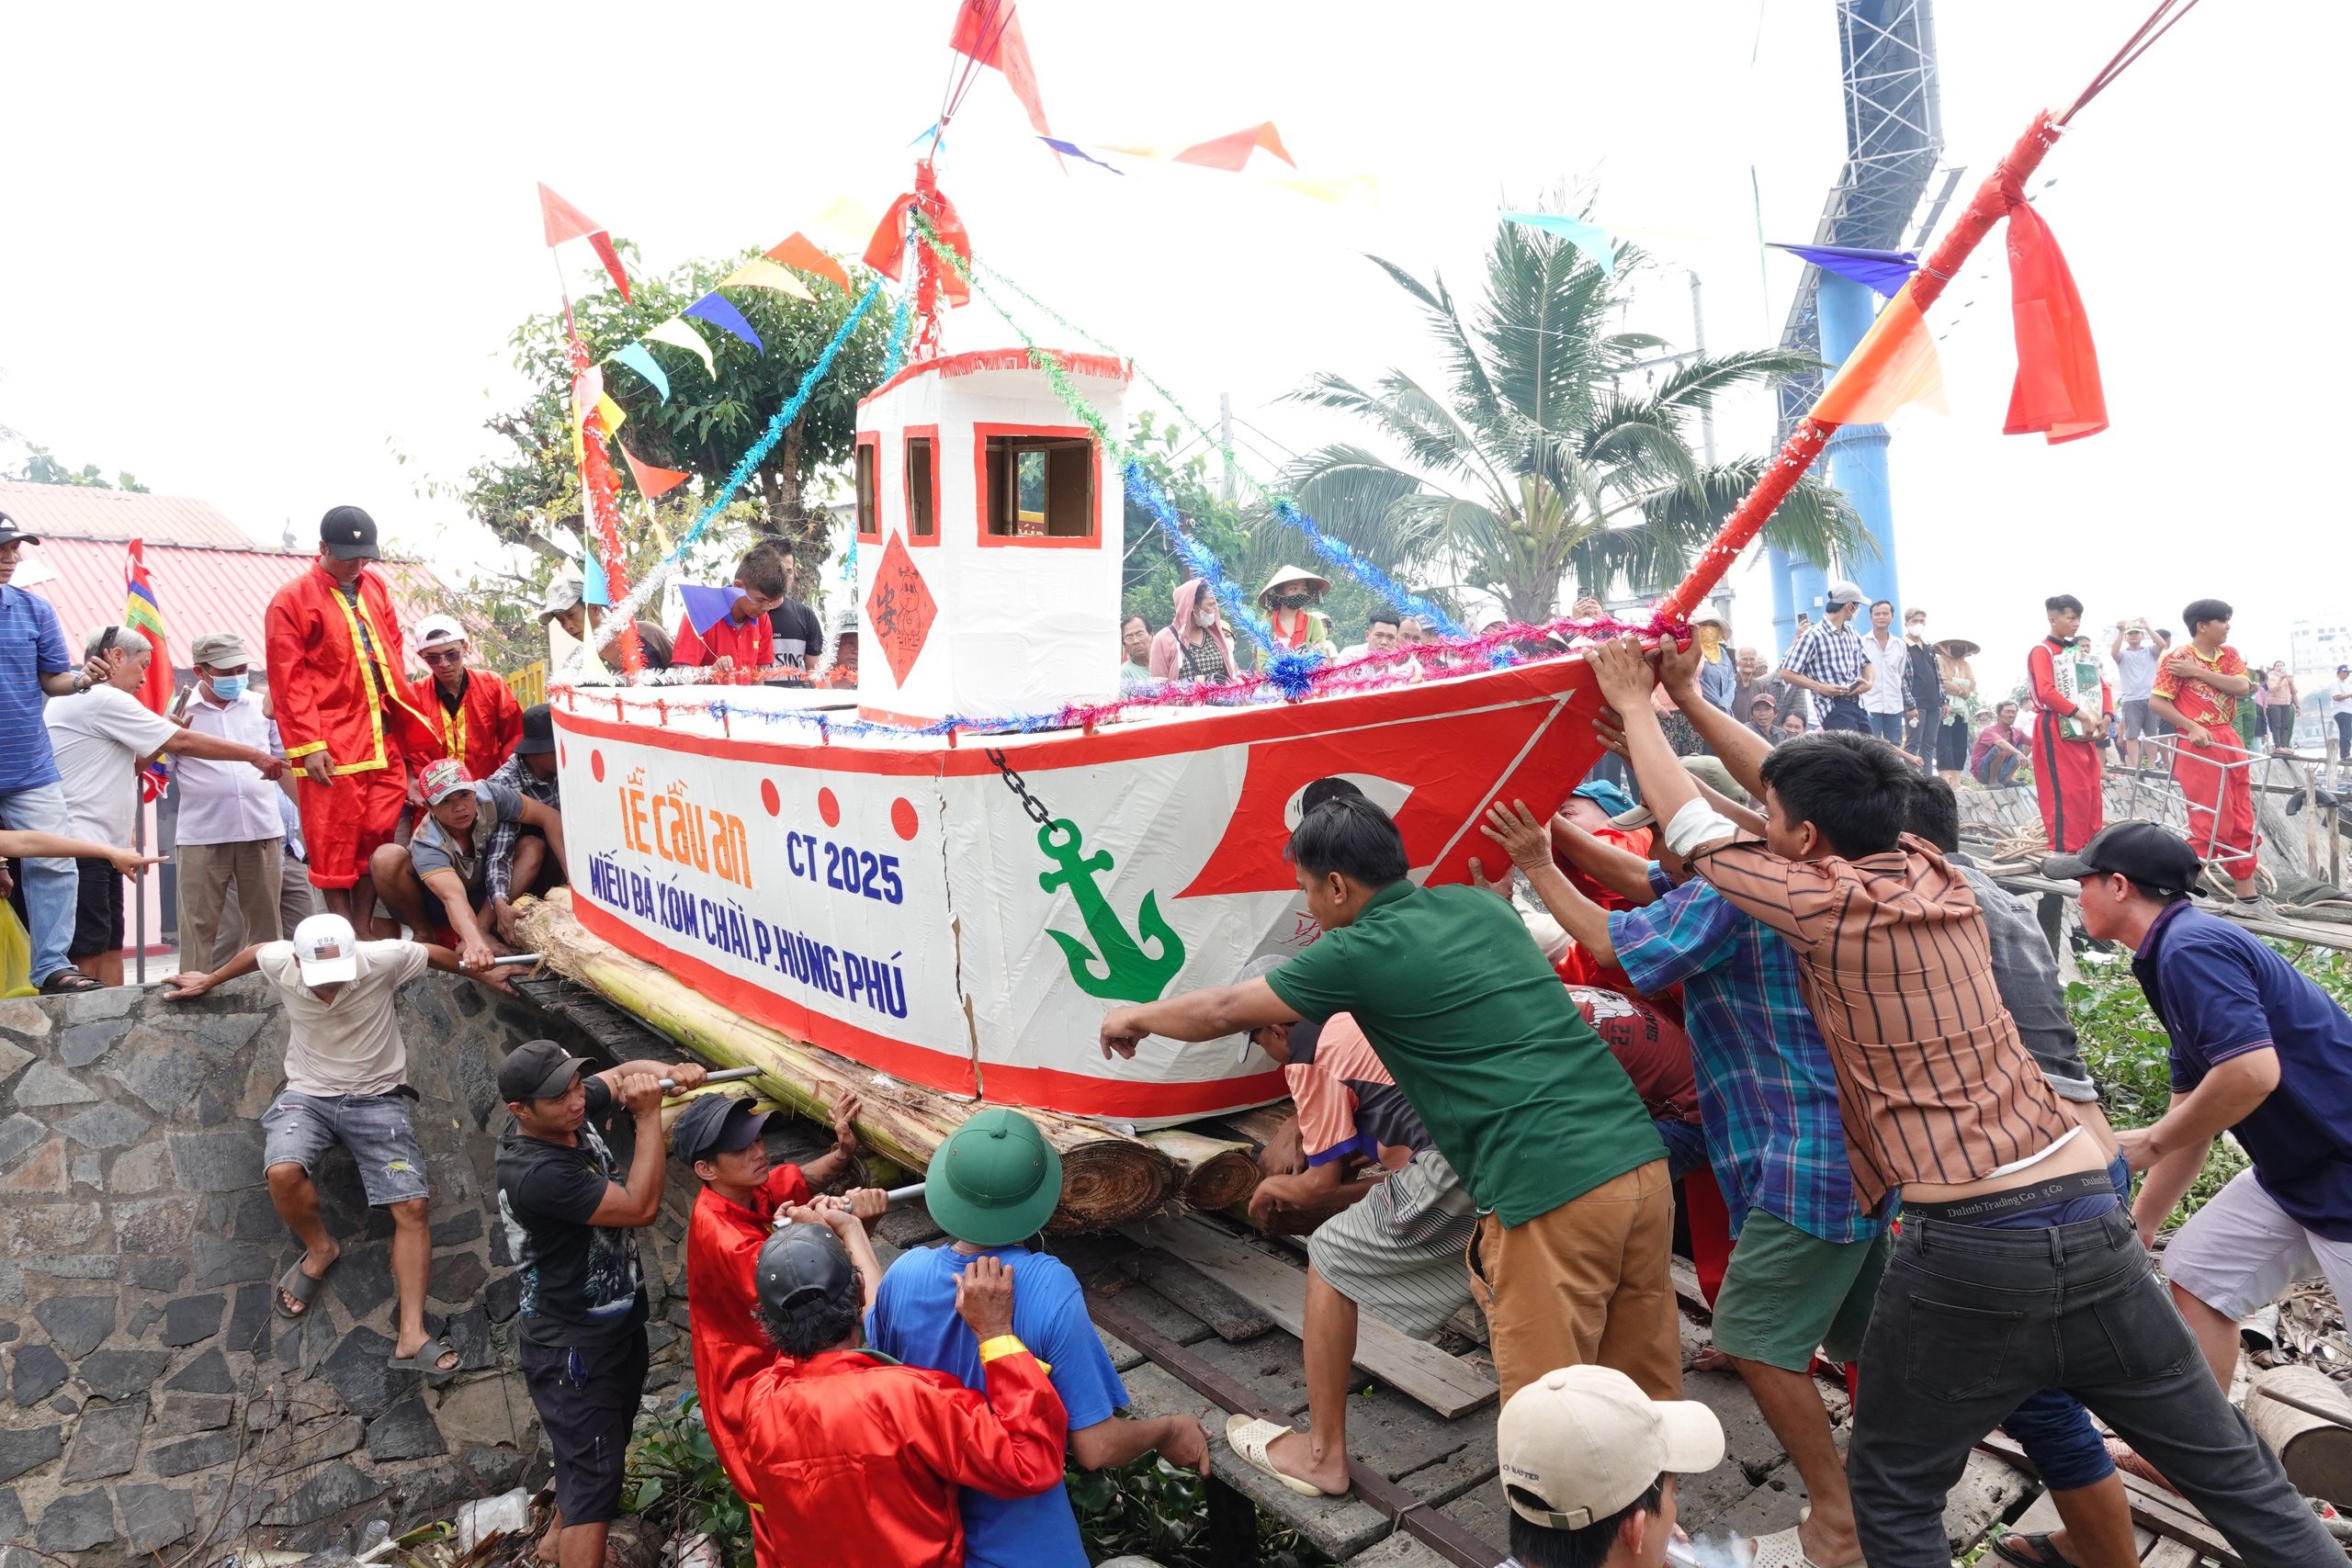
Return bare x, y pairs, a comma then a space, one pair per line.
1012, 781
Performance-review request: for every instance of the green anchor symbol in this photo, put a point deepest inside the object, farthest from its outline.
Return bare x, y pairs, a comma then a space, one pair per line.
1129, 975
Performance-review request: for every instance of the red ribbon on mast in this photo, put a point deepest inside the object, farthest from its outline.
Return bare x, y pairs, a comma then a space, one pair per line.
2057, 390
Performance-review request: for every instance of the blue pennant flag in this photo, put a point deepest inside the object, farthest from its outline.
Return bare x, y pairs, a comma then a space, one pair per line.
1884, 272
593, 587
714, 309
706, 607
639, 358
1072, 149
1586, 235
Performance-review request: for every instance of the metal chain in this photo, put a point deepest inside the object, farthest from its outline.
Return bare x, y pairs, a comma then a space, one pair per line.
1029, 802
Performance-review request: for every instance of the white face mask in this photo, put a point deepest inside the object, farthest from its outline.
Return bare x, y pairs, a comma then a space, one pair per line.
1919, 630
1206, 616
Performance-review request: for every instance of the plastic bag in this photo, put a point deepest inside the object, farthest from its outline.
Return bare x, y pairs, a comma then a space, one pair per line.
15, 956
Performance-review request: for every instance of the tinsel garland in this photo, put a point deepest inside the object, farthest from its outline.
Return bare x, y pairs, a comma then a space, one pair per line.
896, 354
1338, 552
625, 613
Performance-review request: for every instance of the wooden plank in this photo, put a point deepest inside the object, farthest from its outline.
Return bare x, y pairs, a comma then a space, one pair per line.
1415, 1368
2168, 1553
1213, 1304
2167, 1513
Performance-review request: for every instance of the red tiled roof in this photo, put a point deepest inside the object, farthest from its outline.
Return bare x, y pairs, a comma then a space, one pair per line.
200, 590
91, 514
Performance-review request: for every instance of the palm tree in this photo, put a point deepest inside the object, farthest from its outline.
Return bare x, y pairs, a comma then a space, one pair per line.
1532, 464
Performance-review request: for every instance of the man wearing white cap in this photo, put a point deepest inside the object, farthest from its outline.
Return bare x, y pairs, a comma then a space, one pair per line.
346, 1082
1829, 659
230, 834
563, 605
1590, 1464
476, 719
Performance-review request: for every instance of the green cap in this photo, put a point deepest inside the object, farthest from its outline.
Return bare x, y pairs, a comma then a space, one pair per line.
994, 1181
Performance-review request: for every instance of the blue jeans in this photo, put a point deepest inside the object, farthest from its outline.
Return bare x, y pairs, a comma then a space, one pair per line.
1844, 713
1887, 727
2051, 1425
51, 886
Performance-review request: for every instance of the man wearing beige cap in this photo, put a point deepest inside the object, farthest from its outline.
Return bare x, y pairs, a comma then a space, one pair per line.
230, 831
1590, 1464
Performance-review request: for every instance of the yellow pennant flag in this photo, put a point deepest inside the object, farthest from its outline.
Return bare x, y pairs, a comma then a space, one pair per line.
614, 413
846, 224
761, 273
1894, 364
678, 332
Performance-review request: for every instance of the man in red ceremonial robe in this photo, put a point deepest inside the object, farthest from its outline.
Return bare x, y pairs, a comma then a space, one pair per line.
345, 711
856, 1461
2067, 723
718, 1135
2199, 687
476, 719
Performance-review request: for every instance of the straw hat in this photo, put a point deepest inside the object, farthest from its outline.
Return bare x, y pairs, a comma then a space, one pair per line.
1289, 575
1957, 648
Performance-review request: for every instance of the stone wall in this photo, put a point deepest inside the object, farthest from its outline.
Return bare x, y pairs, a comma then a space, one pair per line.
151, 1403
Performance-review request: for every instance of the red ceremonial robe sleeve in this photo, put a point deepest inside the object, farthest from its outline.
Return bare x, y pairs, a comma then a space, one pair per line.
409, 724
289, 643
2043, 676
723, 1245
1008, 1444
494, 733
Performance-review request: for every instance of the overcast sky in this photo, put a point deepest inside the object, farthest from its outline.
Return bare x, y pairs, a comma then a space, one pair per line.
257, 253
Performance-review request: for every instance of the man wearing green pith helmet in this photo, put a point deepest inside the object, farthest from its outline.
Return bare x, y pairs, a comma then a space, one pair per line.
991, 1188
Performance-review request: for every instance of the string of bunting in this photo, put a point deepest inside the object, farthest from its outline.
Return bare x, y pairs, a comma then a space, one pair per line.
641, 595
1336, 552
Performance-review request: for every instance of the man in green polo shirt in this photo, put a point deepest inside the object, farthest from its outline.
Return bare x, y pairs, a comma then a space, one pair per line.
1524, 1101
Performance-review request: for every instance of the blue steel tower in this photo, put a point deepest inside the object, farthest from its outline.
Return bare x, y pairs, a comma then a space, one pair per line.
1894, 137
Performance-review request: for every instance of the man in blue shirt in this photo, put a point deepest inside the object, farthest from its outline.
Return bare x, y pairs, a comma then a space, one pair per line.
34, 665
2260, 1051
992, 1187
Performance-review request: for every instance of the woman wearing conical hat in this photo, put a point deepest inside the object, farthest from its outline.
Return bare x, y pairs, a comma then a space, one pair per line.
1289, 599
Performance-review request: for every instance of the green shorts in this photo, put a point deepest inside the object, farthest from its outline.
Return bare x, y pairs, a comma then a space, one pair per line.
1786, 1293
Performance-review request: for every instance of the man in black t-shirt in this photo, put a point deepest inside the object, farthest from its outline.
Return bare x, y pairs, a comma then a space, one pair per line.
568, 1217
799, 635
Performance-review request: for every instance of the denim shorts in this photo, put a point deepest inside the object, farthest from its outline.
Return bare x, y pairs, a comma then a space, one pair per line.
298, 1128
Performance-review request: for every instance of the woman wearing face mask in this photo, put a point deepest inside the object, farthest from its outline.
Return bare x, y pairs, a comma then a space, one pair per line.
1195, 646
1290, 600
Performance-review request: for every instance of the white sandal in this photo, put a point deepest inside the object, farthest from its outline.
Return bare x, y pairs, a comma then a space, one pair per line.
1247, 1436
1781, 1549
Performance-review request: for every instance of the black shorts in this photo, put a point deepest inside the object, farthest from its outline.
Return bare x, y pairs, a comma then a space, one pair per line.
97, 910
587, 1401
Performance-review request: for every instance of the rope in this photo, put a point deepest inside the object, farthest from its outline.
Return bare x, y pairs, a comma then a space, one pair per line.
2168, 13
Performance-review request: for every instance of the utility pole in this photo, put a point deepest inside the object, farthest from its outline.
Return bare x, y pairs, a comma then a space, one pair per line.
1699, 341
1225, 443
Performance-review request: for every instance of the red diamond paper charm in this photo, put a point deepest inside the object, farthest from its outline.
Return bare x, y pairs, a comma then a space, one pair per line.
900, 608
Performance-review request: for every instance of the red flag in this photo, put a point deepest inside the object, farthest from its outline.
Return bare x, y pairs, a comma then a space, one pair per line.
1231, 152
144, 615
2057, 390
987, 31
651, 480
564, 221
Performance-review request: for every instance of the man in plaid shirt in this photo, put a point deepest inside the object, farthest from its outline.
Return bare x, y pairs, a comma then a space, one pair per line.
1807, 1260
1829, 659
515, 856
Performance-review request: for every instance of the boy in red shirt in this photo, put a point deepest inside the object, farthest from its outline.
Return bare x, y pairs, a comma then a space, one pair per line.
739, 638
2199, 686
718, 1135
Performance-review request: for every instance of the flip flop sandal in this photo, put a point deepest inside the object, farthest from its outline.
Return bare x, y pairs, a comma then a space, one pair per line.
1780, 1548
2028, 1550
68, 982
1247, 1436
426, 1360
302, 1286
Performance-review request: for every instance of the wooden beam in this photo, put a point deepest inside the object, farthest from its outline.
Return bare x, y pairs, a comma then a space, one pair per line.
2167, 1513
1445, 1385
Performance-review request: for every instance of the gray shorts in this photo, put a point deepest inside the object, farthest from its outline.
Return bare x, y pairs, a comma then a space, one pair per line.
2138, 721
298, 1128
1402, 1252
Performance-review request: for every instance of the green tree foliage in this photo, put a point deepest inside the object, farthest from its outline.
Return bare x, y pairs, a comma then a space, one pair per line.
1532, 463
41, 468
529, 495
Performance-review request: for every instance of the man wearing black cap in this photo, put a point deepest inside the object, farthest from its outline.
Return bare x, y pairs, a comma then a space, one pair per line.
339, 676
857, 1460
568, 1217
718, 1135
36, 664
517, 856
2260, 1051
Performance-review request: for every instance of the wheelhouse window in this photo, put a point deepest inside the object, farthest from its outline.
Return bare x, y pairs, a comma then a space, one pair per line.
922, 495
1041, 487
870, 515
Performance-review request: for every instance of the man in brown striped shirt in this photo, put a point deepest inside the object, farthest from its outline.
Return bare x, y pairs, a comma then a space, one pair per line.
2017, 1269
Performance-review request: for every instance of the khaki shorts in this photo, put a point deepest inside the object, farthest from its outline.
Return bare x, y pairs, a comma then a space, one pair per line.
1585, 1283
1787, 1293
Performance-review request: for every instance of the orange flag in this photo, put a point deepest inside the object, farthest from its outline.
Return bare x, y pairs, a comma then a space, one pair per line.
989, 32
798, 250
1894, 364
2058, 389
653, 481
1230, 152
564, 221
